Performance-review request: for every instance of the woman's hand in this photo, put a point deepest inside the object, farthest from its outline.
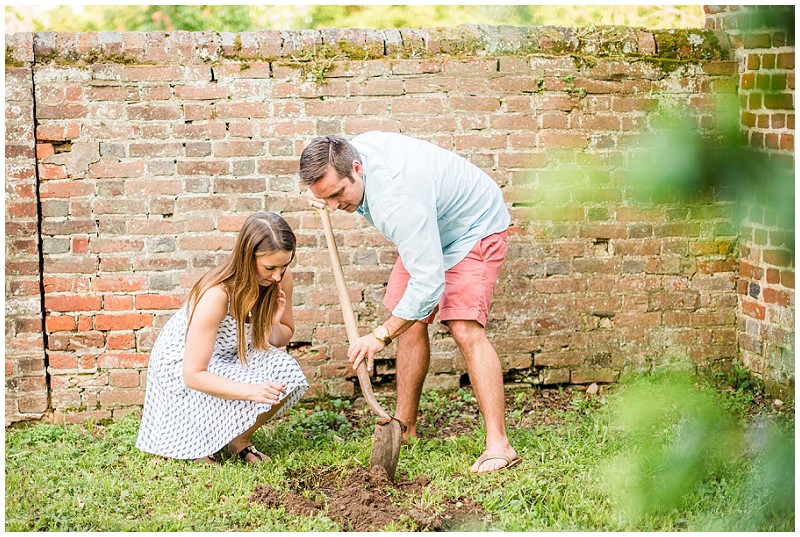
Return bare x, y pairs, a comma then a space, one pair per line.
281, 307
267, 392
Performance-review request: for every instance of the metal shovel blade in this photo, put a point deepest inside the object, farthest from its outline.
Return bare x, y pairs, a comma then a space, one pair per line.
386, 441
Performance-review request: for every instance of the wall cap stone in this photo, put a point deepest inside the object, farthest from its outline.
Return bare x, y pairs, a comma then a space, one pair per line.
84, 48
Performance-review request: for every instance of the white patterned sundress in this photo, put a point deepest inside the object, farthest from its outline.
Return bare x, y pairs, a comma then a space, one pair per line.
182, 423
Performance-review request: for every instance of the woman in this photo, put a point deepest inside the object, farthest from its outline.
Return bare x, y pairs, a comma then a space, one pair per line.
215, 375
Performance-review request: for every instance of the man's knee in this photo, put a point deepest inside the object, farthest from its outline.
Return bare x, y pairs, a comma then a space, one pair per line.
466, 333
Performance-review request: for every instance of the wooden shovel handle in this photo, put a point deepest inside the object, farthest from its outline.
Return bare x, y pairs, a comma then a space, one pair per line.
349, 316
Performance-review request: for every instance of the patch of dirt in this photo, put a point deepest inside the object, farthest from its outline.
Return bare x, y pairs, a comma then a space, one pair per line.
366, 500
535, 407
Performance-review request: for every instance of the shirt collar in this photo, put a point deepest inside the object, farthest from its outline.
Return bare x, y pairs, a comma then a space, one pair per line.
363, 207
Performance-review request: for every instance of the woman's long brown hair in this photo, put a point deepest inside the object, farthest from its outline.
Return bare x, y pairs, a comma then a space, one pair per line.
261, 234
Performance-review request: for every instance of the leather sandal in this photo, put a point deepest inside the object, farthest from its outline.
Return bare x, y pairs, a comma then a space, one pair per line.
251, 450
510, 461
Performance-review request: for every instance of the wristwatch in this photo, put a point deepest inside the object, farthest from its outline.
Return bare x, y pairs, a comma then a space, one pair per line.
382, 334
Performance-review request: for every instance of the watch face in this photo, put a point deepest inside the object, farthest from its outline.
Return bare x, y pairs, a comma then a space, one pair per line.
382, 332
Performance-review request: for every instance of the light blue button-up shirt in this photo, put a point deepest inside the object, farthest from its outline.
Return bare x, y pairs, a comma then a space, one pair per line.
432, 204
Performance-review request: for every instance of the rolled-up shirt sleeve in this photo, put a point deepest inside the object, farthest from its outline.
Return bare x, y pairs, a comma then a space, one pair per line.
411, 225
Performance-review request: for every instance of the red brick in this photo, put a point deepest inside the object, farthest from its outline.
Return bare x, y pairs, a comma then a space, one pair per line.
481, 141
117, 303
239, 149
159, 302
154, 112
637, 319
44, 150
122, 322
85, 322
368, 124
753, 309
21, 209
61, 111
120, 340
52, 171
567, 140
124, 379
209, 168
67, 189
72, 303
377, 87
119, 283
112, 168
155, 149
60, 322
773, 276
152, 73
786, 60
121, 397
197, 111
787, 278
202, 92
63, 361
50, 132
123, 360
475, 104
241, 110
773, 296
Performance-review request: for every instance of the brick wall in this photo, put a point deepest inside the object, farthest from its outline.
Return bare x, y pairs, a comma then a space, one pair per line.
26, 383
152, 148
765, 51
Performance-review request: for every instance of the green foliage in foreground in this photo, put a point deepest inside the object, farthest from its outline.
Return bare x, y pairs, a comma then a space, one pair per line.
659, 453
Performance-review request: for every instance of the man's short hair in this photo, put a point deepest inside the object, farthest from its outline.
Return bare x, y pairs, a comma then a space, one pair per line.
325, 151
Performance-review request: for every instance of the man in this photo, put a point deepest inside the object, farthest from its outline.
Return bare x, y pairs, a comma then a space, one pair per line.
448, 221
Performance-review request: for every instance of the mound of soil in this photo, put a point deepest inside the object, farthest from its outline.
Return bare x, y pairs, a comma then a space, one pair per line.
359, 500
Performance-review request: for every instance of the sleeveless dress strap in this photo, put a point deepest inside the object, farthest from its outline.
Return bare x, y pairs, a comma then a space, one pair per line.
227, 292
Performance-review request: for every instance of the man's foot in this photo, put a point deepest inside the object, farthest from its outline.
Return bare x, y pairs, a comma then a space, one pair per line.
493, 462
251, 455
410, 440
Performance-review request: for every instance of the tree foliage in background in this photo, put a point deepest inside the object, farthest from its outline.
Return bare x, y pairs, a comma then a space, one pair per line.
240, 18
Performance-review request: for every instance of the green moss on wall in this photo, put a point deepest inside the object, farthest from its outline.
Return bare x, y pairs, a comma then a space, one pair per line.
11, 58
584, 45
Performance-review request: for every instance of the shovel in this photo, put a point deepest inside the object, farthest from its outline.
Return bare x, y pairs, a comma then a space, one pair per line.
388, 435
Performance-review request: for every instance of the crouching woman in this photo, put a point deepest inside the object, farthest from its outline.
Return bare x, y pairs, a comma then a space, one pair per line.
215, 373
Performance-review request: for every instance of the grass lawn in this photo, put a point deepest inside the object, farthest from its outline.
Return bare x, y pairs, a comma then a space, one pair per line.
653, 453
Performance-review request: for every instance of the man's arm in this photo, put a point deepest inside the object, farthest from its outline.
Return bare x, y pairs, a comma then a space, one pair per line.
367, 346
412, 227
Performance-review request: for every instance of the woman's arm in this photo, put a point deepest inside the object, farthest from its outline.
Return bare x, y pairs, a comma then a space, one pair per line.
201, 336
283, 324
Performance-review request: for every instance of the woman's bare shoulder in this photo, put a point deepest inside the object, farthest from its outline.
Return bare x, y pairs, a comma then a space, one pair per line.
214, 302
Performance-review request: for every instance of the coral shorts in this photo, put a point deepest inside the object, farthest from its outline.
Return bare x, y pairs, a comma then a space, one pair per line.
468, 286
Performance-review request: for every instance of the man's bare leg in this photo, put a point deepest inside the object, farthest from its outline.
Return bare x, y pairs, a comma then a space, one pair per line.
486, 376
413, 360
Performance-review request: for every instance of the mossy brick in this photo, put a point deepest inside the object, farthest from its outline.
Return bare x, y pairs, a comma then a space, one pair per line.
269, 43
298, 43
413, 41
393, 42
